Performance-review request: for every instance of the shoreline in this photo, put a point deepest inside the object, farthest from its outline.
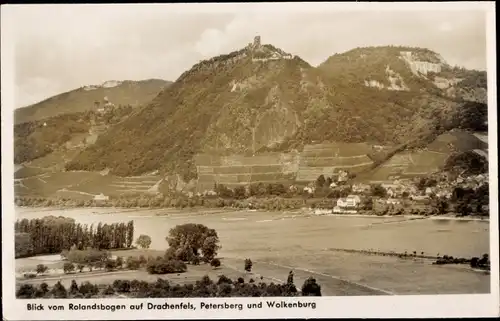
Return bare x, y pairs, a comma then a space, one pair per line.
57, 272
300, 212
412, 217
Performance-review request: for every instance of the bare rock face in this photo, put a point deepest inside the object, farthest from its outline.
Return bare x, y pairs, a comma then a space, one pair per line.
274, 126
421, 65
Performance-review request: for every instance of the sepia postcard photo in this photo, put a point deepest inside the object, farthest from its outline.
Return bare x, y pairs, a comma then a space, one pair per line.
249, 160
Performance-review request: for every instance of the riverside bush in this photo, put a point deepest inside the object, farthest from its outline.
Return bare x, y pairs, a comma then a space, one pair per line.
164, 266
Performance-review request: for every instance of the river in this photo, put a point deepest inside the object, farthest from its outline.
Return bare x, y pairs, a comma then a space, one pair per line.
254, 232
286, 240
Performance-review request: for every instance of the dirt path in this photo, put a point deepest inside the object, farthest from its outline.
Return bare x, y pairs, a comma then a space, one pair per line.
74, 276
261, 271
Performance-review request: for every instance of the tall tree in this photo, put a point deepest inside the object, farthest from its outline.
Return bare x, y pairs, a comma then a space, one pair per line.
320, 181
130, 233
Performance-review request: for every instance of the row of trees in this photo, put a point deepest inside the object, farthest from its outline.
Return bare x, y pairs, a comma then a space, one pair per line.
52, 234
274, 203
477, 263
258, 189
286, 201
205, 287
322, 189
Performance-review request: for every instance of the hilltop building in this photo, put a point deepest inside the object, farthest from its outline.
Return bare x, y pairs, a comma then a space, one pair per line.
256, 43
101, 197
262, 53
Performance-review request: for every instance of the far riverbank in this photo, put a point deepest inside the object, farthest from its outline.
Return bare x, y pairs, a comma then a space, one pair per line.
208, 211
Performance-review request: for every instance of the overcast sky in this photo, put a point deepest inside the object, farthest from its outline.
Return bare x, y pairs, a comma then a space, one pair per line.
60, 48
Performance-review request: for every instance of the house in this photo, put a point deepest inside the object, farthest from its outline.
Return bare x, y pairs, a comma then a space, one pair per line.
333, 185
309, 189
390, 192
393, 201
342, 176
209, 193
351, 201
101, 197
360, 188
428, 191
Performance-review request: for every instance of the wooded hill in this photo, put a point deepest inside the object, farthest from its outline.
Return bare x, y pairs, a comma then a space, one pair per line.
238, 104
133, 93
254, 100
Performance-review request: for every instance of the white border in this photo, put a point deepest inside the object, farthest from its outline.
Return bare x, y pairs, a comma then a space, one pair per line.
361, 307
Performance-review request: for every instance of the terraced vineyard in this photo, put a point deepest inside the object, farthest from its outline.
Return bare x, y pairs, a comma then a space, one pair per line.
243, 170
83, 185
42, 178
328, 159
306, 166
136, 184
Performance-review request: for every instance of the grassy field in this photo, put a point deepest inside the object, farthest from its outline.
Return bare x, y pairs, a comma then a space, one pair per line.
55, 262
393, 275
361, 275
232, 268
194, 273
459, 140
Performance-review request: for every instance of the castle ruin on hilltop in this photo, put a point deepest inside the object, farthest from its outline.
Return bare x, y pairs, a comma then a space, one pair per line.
265, 53
256, 43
